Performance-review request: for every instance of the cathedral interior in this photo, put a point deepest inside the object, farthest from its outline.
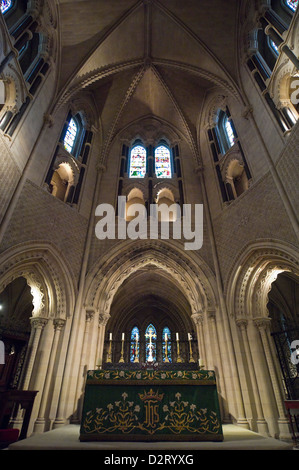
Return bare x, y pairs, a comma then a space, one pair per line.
150, 104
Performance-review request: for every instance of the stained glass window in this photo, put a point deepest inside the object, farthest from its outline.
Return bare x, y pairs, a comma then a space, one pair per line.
162, 162
6, 5
138, 162
166, 345
292, 4
134, 348
229, 132
274, 47
70, 136
150, 343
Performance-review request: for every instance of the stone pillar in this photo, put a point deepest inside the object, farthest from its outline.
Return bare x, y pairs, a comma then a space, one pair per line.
262, 425
37, 325
83, 364
40, 422
103, 319
217, 361
198, 321
263, 324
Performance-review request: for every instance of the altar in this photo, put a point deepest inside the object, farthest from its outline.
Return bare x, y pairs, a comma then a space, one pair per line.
151, 405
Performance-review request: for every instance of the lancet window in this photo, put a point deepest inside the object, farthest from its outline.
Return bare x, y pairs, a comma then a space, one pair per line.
162, 162
134, 347
138, 162
151, 343
6, 5
166, 345
292, 4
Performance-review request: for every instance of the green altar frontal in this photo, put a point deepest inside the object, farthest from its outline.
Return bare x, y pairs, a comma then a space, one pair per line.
151, 405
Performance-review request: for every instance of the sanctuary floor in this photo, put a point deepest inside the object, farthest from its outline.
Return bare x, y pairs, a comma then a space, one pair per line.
67, 438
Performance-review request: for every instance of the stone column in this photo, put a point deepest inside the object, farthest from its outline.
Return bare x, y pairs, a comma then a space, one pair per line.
81, 376
231, 358
93, 340
198, 321
103, 319
218, 366
40, 422
37, 325
261, 422
263, 324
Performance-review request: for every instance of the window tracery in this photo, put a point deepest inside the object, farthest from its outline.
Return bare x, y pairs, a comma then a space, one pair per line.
134, 346
70, 136
162, 162
292, 4
138, 162
6, 5
166, 345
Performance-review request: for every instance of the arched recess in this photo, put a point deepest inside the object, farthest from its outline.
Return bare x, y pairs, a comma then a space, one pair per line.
47, 274
251, 278
194, 281
247, 290
53, 290
103, 281
284, 90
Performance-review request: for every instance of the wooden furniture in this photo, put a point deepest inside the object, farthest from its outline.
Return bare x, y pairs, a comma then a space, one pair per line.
8, 400
292, 407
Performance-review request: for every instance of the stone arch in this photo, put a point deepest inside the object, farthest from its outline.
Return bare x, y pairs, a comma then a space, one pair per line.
103, 281
213, 103
252, 276
281, 87
166, 187
47, 275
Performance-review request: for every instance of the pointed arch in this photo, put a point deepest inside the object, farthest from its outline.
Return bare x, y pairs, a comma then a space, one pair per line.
253, 274
195, 279
47, 274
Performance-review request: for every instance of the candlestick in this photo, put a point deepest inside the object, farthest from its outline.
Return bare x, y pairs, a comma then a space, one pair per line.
178, 359
200, 363
166, 349
109, 355
122, 348
99, 363
190, 347
136, 349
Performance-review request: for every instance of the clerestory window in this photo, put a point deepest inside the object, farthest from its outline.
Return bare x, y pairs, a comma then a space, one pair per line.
6, 5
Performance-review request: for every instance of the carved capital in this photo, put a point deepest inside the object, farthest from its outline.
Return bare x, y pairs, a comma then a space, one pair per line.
262, 323
58, 323
197, 318
242, 323
38, 322
103, 319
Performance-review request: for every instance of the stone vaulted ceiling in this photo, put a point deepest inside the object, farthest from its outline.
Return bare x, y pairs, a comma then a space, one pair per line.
147, 57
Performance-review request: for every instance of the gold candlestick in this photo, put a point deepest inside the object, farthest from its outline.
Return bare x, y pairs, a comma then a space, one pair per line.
109, 355
166, 350
136, 350
179, 359
122, 349
190, 348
